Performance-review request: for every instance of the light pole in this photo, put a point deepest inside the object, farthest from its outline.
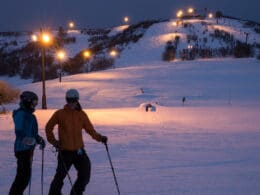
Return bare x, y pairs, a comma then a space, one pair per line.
247, 34
179, 14
113, 53
44, 102
44, 39
87, 55
189, 54
61, 56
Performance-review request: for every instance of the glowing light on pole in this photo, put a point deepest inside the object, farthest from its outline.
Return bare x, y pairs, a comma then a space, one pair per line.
44, 39
179, 14
61, 55
210, 15
126, 19
71, 25
87, 55
190, 10
34, 38
113, 53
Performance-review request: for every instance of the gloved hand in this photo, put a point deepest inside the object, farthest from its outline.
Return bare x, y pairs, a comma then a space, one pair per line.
42, 144
56, 145
104, 139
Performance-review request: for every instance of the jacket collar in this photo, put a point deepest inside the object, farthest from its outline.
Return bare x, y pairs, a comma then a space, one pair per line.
66, 107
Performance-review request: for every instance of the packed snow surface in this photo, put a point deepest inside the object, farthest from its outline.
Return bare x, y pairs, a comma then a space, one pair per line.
207, 145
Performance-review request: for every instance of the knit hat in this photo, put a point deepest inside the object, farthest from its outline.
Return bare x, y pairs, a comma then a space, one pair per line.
72, 94
28, 96
27, 100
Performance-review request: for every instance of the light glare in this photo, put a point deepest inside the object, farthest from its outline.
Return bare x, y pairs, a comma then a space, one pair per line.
45, 38
210, 15
179, 13
190, 10
126, 19
87, 54
34, 38
61, 55
113, 53
71, 24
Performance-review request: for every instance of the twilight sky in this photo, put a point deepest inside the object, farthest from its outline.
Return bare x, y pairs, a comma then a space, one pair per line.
33, 14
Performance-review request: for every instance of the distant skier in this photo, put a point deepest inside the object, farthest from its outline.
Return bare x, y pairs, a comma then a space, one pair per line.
183, 100
71, 120
26, 131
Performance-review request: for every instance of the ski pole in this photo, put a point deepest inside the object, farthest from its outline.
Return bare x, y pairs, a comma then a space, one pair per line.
117, 187
67, 173
42, 170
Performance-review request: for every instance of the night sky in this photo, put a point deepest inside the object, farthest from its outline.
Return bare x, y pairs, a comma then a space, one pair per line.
18, 15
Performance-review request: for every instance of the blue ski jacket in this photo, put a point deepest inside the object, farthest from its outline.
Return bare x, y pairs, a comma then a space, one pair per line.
25, 126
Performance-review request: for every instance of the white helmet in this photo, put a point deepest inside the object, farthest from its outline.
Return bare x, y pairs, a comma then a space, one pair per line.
72, 94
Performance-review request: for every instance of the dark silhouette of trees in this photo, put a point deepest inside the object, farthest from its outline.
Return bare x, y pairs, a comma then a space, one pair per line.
218, 15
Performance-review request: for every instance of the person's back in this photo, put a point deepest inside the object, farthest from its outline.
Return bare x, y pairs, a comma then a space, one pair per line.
26, 132
71, 120
25, 126
70, 124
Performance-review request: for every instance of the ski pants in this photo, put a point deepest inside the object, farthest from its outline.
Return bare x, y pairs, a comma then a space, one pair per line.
23, 172
81, 163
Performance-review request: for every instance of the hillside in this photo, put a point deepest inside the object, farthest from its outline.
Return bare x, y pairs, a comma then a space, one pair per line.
206, 145
149, 41
194, 34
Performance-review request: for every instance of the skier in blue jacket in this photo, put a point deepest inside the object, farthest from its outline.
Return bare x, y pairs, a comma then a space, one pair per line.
26, 131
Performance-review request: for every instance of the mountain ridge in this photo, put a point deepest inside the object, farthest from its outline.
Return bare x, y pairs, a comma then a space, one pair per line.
147, 41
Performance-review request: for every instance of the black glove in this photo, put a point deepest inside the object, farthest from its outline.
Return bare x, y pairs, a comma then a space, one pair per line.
56, 145
42, 143
104, 139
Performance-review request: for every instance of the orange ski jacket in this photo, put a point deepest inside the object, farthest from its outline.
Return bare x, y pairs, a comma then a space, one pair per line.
70, 124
